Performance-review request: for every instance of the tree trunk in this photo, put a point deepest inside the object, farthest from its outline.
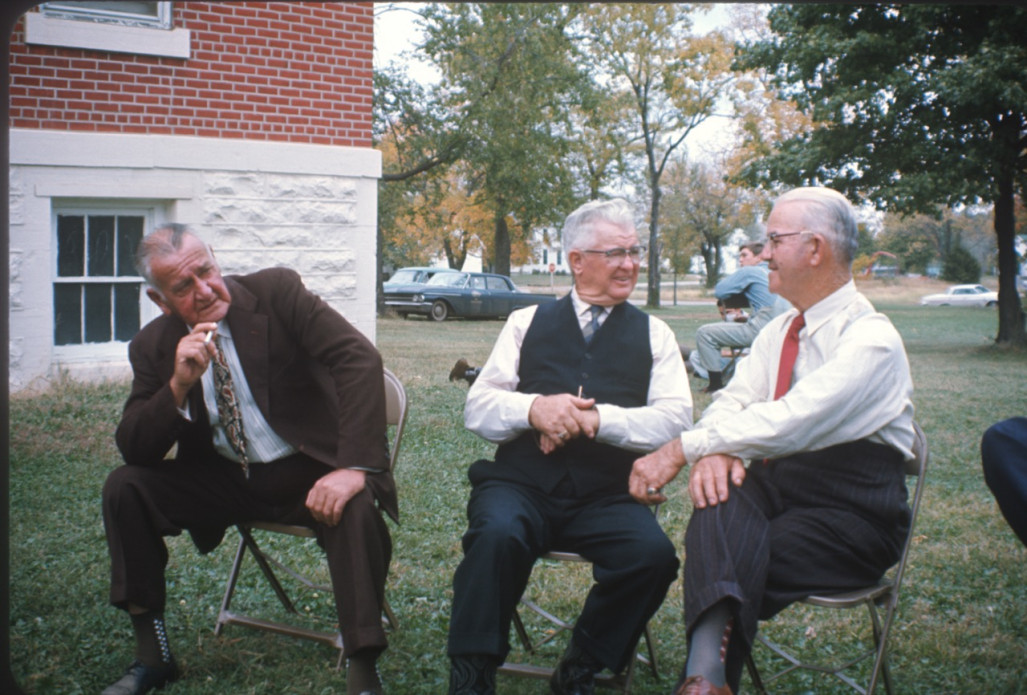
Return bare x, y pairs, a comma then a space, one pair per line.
653, 294
1010, 311
501, 246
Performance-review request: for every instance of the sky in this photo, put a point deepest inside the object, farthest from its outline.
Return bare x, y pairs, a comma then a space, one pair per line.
396, 32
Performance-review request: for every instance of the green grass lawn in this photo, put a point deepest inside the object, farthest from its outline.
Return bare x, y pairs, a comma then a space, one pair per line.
962, 625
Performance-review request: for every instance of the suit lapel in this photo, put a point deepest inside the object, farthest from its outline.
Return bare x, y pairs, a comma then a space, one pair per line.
250, 334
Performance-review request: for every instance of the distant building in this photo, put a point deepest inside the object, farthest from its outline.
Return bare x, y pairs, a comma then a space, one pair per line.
249, 121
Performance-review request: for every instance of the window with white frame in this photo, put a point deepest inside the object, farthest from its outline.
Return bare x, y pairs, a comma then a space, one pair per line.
97, 293
141, 28
149, 14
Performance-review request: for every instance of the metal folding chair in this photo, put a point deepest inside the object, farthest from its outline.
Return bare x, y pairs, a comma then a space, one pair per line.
882, 597
396, 410
557, 626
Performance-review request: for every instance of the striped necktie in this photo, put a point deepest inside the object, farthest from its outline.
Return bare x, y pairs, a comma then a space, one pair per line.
593, 325
228, 406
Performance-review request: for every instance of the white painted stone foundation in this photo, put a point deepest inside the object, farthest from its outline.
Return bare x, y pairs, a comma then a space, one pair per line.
311, 208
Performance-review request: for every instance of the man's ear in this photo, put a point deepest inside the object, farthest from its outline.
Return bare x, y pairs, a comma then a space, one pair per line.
575, 259
820, 249
158, 300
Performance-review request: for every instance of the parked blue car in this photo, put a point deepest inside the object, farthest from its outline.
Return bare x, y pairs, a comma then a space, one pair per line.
466, 295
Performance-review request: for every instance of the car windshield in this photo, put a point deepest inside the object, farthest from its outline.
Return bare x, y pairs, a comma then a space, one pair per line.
448, 280
404, 276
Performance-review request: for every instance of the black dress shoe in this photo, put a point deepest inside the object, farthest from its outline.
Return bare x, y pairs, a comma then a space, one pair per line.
140, 679
575, 674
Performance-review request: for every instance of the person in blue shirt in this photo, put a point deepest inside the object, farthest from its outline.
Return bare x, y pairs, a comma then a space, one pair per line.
750, 281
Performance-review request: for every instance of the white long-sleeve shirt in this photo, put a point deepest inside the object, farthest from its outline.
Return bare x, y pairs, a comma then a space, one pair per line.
851, 381
497, 412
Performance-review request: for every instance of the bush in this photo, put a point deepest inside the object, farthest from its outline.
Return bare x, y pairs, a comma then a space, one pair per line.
960, 267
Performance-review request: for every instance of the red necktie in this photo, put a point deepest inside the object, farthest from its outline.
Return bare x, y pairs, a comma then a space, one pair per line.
789, 351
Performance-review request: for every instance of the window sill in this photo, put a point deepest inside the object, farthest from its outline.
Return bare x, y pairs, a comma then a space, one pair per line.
72, 33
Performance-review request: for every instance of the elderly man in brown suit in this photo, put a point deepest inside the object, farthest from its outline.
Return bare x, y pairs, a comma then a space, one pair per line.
277, 406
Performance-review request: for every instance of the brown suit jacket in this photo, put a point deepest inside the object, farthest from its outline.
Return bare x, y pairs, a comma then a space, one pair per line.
316, 379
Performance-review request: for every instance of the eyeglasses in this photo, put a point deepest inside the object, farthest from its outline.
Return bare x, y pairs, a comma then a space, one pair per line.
616, 255
774, 238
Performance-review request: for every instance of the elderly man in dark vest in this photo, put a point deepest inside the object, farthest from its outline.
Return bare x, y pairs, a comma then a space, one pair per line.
572, 391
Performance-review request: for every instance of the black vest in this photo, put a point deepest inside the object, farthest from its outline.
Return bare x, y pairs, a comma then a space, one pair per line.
614, 368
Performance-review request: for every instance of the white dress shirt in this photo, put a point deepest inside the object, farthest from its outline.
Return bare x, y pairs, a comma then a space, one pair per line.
497, 412
262, 443
851, 381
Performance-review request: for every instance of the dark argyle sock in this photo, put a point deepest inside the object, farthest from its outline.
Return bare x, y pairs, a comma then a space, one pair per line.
362, 673
473, 674
151, 639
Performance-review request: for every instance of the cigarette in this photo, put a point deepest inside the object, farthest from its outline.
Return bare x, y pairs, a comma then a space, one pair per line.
581, 390
207, 336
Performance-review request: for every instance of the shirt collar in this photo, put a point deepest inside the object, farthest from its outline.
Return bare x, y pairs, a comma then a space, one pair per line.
830, 306
581, 307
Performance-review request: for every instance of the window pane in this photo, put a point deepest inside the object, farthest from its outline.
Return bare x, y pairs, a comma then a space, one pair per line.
130, 232
100, 259
126, 311
67, 314
98, 313
70, 245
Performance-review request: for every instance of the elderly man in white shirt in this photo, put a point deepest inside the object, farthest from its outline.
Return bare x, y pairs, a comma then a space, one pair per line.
822, 409
573, 392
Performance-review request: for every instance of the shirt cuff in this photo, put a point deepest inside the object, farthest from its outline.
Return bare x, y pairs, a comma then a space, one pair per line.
694, 444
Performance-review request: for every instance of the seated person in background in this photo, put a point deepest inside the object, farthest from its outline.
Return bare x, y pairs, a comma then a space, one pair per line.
822, 409
1004, 458
573, 391
750, 281
277, 406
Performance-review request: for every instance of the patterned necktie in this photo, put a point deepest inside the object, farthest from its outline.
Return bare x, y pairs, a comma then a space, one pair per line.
789, 351
593, 325
228, 406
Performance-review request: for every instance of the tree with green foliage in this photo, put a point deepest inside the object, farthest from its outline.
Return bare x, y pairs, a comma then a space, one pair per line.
517, 135
676, 82
917, 104
704, 208
960, 266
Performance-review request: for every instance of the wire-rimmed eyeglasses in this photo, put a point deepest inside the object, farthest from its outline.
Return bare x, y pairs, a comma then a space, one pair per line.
774, 238
617, 255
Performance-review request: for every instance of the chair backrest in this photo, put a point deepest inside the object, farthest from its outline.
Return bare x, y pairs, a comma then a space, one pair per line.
395, 412
916, 466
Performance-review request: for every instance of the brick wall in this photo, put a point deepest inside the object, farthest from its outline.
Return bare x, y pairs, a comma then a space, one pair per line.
298, 72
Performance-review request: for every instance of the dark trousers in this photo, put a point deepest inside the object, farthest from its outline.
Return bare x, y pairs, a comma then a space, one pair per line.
829, 520
510, 526
142, 504
1004, 458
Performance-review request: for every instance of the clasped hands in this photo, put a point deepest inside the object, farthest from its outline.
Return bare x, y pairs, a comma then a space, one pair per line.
709, 482
562, 417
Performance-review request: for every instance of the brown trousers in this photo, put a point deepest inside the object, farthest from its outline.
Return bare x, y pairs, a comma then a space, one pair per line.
142, 504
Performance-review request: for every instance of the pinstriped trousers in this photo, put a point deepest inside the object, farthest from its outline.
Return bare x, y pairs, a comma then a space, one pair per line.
827, 520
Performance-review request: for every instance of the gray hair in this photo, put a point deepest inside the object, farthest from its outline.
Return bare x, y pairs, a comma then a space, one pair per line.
160, 243
830, 213
579, 227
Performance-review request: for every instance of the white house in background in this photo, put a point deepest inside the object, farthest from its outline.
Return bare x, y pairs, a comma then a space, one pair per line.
546, 253
249, 121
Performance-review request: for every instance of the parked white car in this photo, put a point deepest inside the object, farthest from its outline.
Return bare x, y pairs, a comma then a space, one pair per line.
962, 295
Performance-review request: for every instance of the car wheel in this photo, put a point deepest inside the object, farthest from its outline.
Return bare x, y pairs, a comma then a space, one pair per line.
989, 304
439, 310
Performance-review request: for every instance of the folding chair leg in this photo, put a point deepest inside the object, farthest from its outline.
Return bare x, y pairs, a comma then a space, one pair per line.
258, 555
754, 675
